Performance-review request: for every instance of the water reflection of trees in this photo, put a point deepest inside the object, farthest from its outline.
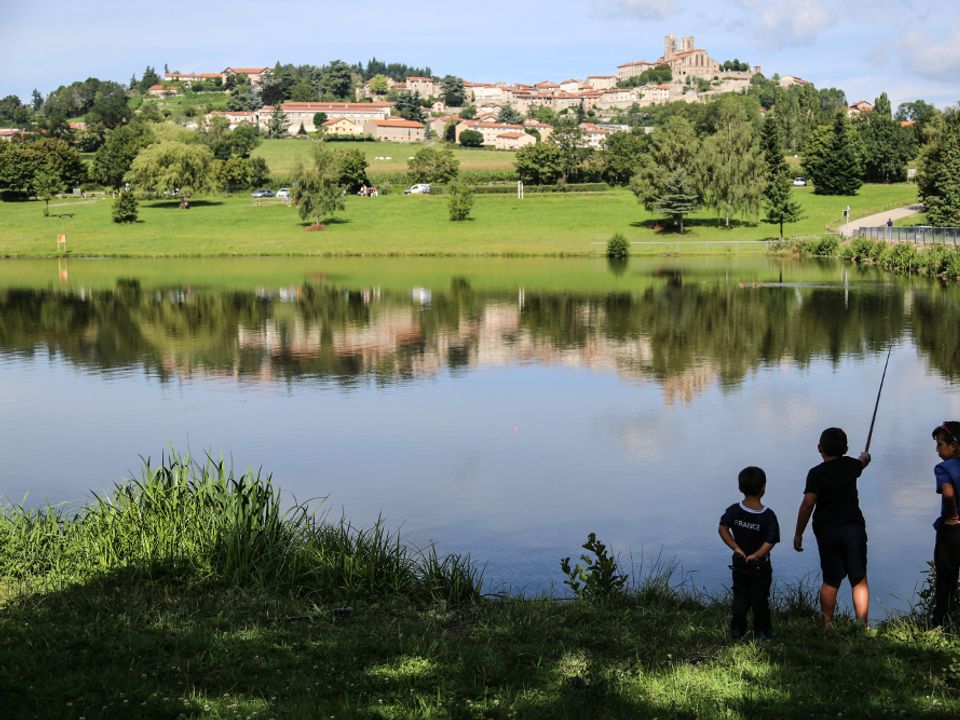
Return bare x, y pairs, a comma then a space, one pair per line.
676, 333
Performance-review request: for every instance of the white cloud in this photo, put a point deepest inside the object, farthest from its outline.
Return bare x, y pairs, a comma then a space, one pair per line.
785, 23
644, 9
940, 61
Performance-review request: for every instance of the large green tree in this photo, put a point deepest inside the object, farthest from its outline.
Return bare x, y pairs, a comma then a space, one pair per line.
571, 141
539, 164
172, 166
833, 159
674, 146
887, 147
432, 165
938, 172
779, 204
620, 156
509, 114
22, 163
116, 155
732, 169
408, 106
452, 92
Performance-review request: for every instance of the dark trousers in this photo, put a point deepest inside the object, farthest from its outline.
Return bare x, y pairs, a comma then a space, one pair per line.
751, 589
946, 559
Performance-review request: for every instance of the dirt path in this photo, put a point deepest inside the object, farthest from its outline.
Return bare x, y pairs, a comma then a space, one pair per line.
880, 219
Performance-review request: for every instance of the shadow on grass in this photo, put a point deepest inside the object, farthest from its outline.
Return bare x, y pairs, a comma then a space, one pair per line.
164, 646
176, 204
664, 227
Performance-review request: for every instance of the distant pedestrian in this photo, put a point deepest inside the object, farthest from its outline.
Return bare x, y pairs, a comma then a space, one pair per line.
889, 222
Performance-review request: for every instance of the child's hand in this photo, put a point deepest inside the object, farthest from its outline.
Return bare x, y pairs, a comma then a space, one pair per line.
798, 543
753, 558
955, 520
740, 553
864, 458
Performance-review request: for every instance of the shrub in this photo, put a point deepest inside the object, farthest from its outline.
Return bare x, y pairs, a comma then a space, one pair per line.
461, 200
934, 260
618, 247
125, 207
826, 245
599, 579
900, 257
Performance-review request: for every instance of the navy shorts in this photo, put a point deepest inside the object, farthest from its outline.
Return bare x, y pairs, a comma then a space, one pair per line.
843, 553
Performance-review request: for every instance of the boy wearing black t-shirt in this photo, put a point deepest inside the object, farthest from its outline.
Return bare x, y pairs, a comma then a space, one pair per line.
750, 530
838, 524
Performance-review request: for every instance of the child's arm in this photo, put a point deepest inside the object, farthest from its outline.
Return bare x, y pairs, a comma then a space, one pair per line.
728, 540
803, 517
760, 553
864, 459
950, 501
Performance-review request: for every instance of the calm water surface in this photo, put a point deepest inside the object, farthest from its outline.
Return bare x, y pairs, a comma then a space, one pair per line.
504, 408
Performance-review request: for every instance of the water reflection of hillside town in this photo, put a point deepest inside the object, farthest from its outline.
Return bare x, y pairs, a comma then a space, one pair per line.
685, 337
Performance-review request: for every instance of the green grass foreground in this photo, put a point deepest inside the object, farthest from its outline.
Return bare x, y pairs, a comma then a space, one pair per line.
550, 224
190, 594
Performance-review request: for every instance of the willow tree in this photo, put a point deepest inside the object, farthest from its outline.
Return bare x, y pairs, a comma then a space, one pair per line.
733, 170
317, 191
171, 166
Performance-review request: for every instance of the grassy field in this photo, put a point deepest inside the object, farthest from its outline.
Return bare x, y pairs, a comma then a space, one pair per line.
193, 597
550, 224
282, 156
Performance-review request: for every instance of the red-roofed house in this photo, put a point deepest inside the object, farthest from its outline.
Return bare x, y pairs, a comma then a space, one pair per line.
395, 130
303, 112
489, 130
188, 79
9, 134
512, 140
234, 117
342, 126
163, 90
256, 76
860, 106
602, 82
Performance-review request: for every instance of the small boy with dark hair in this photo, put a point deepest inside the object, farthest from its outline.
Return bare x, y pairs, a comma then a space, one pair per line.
838, 524
946, 551
750, 530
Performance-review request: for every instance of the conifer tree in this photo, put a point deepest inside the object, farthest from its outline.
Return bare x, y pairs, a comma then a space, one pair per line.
938, 175
834, 160
125, 207
780, 207
678, 199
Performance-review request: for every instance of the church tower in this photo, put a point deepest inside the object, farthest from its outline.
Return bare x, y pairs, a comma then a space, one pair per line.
669, 47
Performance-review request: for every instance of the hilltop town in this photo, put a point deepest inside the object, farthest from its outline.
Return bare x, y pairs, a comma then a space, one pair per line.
686, 73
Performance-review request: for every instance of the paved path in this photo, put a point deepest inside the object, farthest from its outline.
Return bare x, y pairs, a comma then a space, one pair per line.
879, 220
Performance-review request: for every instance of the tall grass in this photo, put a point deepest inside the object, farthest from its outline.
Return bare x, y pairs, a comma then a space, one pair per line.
202, 523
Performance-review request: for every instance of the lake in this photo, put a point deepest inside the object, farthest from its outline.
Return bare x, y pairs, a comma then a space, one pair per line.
501, 407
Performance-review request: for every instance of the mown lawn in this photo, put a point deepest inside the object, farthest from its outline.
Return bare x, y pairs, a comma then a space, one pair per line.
283, 156
549, 224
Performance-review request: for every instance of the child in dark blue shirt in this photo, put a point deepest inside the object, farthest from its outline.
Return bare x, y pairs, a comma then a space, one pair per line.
946, 552
751, 530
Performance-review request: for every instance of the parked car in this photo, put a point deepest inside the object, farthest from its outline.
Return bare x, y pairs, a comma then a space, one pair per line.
262, 193
418, 189
800, 181
283, 193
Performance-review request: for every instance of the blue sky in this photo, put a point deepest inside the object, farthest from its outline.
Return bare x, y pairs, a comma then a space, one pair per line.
908, 49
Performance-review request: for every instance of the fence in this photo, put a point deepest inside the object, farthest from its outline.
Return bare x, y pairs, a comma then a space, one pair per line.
917, 234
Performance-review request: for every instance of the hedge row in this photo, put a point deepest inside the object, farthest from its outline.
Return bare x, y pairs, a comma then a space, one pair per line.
901, 258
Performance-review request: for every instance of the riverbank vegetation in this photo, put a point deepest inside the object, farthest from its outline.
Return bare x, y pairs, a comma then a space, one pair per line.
191, 592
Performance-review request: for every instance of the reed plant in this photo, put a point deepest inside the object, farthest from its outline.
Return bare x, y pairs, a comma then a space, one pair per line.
202, 523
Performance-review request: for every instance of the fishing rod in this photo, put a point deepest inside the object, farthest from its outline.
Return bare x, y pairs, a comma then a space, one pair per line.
877, 404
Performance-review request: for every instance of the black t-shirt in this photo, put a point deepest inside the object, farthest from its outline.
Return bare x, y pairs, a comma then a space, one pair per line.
751, 528
835, 484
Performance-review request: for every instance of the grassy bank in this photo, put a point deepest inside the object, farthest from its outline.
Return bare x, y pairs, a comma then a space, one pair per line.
554, 224
191, 594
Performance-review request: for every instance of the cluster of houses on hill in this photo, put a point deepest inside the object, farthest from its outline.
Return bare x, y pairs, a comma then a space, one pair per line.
696, 77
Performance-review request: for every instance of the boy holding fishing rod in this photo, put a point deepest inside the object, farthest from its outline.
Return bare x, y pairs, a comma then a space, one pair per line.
946, 551
831, 496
